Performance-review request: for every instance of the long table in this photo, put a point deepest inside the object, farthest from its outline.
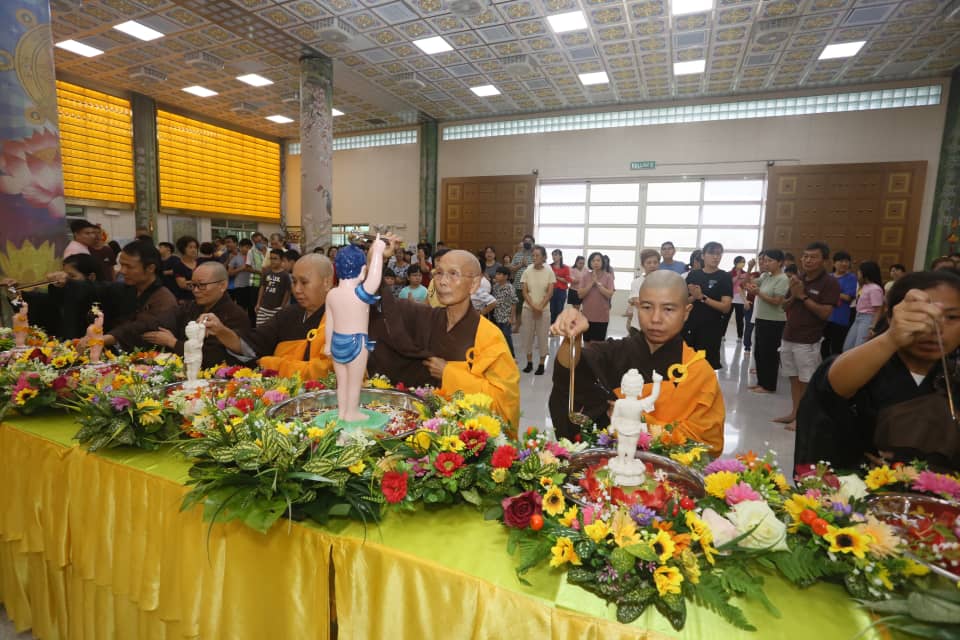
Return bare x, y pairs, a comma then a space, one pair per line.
95, 546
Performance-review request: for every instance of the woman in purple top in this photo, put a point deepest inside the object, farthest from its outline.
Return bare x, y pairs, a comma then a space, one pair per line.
596, 289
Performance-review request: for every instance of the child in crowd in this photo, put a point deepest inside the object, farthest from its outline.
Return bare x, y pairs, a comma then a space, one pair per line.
869, 305
505, 311
290, 257
275, 289
415, 290
482, 300
390, 279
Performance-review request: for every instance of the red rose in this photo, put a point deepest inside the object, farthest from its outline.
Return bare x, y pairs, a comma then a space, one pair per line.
448, 462
394, 486
400, 386
518, 510
314, 385
269, 373
245, 405
37, 354
474, 439
60, 382
503, 457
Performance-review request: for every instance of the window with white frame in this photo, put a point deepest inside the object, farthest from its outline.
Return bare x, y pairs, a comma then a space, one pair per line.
619, 219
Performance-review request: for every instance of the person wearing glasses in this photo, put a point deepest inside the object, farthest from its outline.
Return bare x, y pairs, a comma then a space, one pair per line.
451, 346
209, 286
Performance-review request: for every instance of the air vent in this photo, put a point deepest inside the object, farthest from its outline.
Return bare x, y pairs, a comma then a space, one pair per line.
203, 60
410, 81
869, 15
335, 30
521, 65
467, 7
148, 74
293, 96
244, 108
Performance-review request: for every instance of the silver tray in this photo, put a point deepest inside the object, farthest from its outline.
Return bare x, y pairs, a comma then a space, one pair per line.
890, 507
320, 401
688, 479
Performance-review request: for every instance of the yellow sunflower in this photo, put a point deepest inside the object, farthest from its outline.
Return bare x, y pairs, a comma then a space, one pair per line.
563, 552
700, 532
150, 410
25, 395
553, 502
668, 580
597, 530
663, 545
569, 516
624, 529
451, 443
498, 475
848, 540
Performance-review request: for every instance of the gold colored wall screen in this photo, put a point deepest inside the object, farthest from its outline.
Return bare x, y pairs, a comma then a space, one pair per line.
96, 137
216, 170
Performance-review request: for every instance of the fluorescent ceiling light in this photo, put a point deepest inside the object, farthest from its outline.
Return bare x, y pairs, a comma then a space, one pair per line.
79, 48
689, 67
599, 77
139, 31
433, 45
202, 92
571, 21
485, 90
254, 80
280, 119
336, 112
683, 7
841, 50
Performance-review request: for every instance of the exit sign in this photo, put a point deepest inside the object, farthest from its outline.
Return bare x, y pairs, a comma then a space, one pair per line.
643, 164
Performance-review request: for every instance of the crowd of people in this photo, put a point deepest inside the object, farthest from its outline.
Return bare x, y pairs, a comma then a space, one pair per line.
845, 339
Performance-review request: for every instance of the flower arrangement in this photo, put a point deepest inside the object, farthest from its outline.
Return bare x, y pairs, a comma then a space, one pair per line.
254, 469
34, 378
35, 338
663, 440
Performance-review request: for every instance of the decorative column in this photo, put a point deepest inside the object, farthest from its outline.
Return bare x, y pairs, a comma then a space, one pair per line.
146, 175
316, 151
32, 229
945, 221
428, 181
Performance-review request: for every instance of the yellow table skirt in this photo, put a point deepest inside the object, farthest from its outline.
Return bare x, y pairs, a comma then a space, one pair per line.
94, 546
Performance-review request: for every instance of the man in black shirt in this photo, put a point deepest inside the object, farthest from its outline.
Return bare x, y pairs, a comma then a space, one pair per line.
711, 294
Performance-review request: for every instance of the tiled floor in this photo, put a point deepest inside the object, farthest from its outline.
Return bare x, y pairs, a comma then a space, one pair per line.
748, 426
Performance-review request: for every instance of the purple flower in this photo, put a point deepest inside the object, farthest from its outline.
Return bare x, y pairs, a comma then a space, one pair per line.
524, 454
724, 464
420, 466
119, 404
221, 404
433, 424
642, 515
422, 392
604, 439
841, 509
607, 575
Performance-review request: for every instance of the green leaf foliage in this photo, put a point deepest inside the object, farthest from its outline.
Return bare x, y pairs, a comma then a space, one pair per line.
710, 594
804, 566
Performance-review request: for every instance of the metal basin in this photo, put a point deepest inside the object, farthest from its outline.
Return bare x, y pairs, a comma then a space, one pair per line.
309, 405
689, 480
891, 507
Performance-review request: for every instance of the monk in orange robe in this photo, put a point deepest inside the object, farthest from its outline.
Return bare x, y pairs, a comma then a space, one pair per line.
292, 341
690, 397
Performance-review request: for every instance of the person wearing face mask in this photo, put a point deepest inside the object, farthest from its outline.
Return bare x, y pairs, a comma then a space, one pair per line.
521, 260
292, 341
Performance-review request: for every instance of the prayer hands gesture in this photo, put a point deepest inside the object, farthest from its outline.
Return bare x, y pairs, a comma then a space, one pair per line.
570, 324
915, 319
796, 287
695, 291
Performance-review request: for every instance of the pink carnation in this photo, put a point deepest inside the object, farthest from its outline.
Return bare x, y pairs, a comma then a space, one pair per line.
643, 442
724, 464
937, 483
741, 492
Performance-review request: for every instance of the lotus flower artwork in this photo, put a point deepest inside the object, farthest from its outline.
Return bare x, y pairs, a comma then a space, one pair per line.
32, 168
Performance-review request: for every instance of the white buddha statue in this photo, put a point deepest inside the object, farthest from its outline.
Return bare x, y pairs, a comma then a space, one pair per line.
628, 423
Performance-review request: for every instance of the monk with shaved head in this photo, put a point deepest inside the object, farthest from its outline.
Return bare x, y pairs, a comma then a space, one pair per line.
209, 286
451, 346
690, 396
292, 341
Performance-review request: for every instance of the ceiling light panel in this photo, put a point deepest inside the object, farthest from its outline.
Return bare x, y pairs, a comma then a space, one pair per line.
683, 7
433, 45
485, 91
280, 119
599, 77
841, 50
571, 21
689, 67
255, 80
199, 91
336, 112
79, 48
139, 31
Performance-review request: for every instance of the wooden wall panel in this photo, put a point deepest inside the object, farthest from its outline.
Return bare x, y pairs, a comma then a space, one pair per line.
488, 210
870, 210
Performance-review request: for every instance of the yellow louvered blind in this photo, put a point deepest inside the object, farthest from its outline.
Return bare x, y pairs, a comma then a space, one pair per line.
96, 138
208, 168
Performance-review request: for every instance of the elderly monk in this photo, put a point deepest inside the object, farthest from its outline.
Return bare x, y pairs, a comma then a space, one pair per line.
209, 286
291, 342
690, 396
451, 346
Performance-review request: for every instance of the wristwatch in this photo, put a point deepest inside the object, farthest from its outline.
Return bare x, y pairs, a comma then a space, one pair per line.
703, 299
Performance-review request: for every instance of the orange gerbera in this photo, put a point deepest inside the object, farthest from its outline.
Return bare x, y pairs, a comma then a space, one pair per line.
749, 459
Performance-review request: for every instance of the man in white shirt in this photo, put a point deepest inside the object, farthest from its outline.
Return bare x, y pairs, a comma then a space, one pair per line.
537, 284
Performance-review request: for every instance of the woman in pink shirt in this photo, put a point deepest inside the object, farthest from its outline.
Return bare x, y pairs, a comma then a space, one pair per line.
595, 290
576, 275
564, 280
869, 305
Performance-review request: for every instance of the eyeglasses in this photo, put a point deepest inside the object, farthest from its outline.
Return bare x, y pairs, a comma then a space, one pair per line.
452, 276
201, 286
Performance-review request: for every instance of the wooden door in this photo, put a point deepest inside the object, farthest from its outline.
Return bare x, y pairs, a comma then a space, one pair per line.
488, 210
870, 210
